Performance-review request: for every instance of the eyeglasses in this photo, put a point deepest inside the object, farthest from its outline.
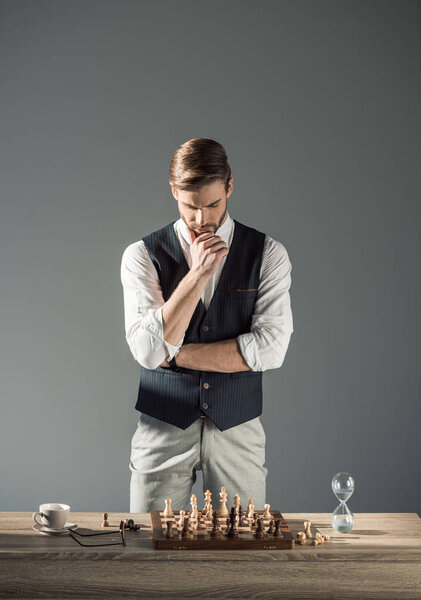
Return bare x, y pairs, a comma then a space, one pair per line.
120, 532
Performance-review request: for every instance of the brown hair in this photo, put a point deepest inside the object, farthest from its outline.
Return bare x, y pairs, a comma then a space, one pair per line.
198, 162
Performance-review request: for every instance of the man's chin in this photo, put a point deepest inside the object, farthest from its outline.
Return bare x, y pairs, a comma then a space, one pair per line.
207, 230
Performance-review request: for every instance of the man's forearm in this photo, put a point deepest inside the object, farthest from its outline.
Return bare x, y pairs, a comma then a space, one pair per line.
179, 308
223, 356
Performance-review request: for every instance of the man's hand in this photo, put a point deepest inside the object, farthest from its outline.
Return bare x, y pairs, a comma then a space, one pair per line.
207, 250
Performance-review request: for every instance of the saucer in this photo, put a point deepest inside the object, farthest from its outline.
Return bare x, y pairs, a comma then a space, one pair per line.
45, 529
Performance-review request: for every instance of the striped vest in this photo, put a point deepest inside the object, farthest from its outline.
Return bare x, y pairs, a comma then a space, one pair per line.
228, 399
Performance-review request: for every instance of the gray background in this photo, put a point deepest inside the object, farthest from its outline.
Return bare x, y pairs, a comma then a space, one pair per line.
318, 107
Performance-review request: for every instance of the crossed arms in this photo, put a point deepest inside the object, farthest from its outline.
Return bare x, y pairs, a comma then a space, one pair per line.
153, 340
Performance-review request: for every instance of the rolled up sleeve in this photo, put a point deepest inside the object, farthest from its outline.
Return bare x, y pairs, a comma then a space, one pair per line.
265, 345
143, 301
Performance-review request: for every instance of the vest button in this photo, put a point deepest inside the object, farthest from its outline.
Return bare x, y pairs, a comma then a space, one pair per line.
205, 327
205, 406
206, 385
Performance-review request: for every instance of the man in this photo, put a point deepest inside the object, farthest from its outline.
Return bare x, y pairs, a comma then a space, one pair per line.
207, 310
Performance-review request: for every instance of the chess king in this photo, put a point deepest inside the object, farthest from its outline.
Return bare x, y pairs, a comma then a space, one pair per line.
207, 310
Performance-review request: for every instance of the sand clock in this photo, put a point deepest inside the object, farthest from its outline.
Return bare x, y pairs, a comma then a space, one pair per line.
343, 486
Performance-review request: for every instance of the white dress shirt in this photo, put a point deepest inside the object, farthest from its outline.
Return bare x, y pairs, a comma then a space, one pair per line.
263, 347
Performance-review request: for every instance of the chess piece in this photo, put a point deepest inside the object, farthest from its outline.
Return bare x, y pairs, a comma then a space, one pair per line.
105, 520
223, 510
168, 510
242, 521
320, 539
266, 513
237, 500
194, 513
301, 537
259, 533
186, 528
196, 526
182, 517
233, 531
271, 528
326, 537
207, 511
169, 533
307, 525
250, 511
253, 525
216, 528
278, 532
236, 515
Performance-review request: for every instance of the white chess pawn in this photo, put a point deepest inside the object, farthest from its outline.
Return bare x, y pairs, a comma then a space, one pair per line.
181, 519
266, 513
249, 503
168, 510
251, 511
236, 500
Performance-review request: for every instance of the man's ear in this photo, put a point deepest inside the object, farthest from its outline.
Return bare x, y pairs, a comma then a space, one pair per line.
174, 192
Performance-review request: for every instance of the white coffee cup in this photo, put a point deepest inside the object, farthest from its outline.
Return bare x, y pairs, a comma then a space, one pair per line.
52, 514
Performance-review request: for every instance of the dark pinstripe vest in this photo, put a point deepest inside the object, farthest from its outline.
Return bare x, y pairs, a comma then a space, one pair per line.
227, 398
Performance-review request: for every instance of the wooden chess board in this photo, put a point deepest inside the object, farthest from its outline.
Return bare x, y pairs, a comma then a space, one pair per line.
201, 540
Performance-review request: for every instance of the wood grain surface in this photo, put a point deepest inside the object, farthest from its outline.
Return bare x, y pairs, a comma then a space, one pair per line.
379, 558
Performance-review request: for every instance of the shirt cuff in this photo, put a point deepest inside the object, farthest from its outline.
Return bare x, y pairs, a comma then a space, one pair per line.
248, 348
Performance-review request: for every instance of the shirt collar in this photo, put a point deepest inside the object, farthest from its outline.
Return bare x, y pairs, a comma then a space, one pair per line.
224, 230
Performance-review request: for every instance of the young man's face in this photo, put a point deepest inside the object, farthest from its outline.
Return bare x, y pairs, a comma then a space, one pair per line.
204, 210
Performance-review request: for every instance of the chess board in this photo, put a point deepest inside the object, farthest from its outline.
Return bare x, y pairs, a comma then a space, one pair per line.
202, 540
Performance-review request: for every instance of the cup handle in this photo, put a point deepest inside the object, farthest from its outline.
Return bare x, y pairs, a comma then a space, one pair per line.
34, 516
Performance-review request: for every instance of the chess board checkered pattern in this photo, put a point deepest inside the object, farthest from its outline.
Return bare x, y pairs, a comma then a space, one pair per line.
201, 540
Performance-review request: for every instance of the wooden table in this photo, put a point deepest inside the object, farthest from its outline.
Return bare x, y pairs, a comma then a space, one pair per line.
379, 558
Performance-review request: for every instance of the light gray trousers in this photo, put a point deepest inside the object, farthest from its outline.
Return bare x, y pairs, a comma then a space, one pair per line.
164, 460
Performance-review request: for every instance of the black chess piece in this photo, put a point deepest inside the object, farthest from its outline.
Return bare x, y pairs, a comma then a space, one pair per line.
242, 518
271, 529
186, 528
216, 528
169, 532
278, 532
253, 526
233, 531
259, 531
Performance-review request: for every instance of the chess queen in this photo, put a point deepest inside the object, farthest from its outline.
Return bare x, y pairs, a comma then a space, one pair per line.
207, 310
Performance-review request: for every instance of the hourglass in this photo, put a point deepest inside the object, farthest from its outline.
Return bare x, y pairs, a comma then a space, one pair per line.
343, 486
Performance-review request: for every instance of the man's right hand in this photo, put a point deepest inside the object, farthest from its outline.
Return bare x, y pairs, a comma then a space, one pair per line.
207, 251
